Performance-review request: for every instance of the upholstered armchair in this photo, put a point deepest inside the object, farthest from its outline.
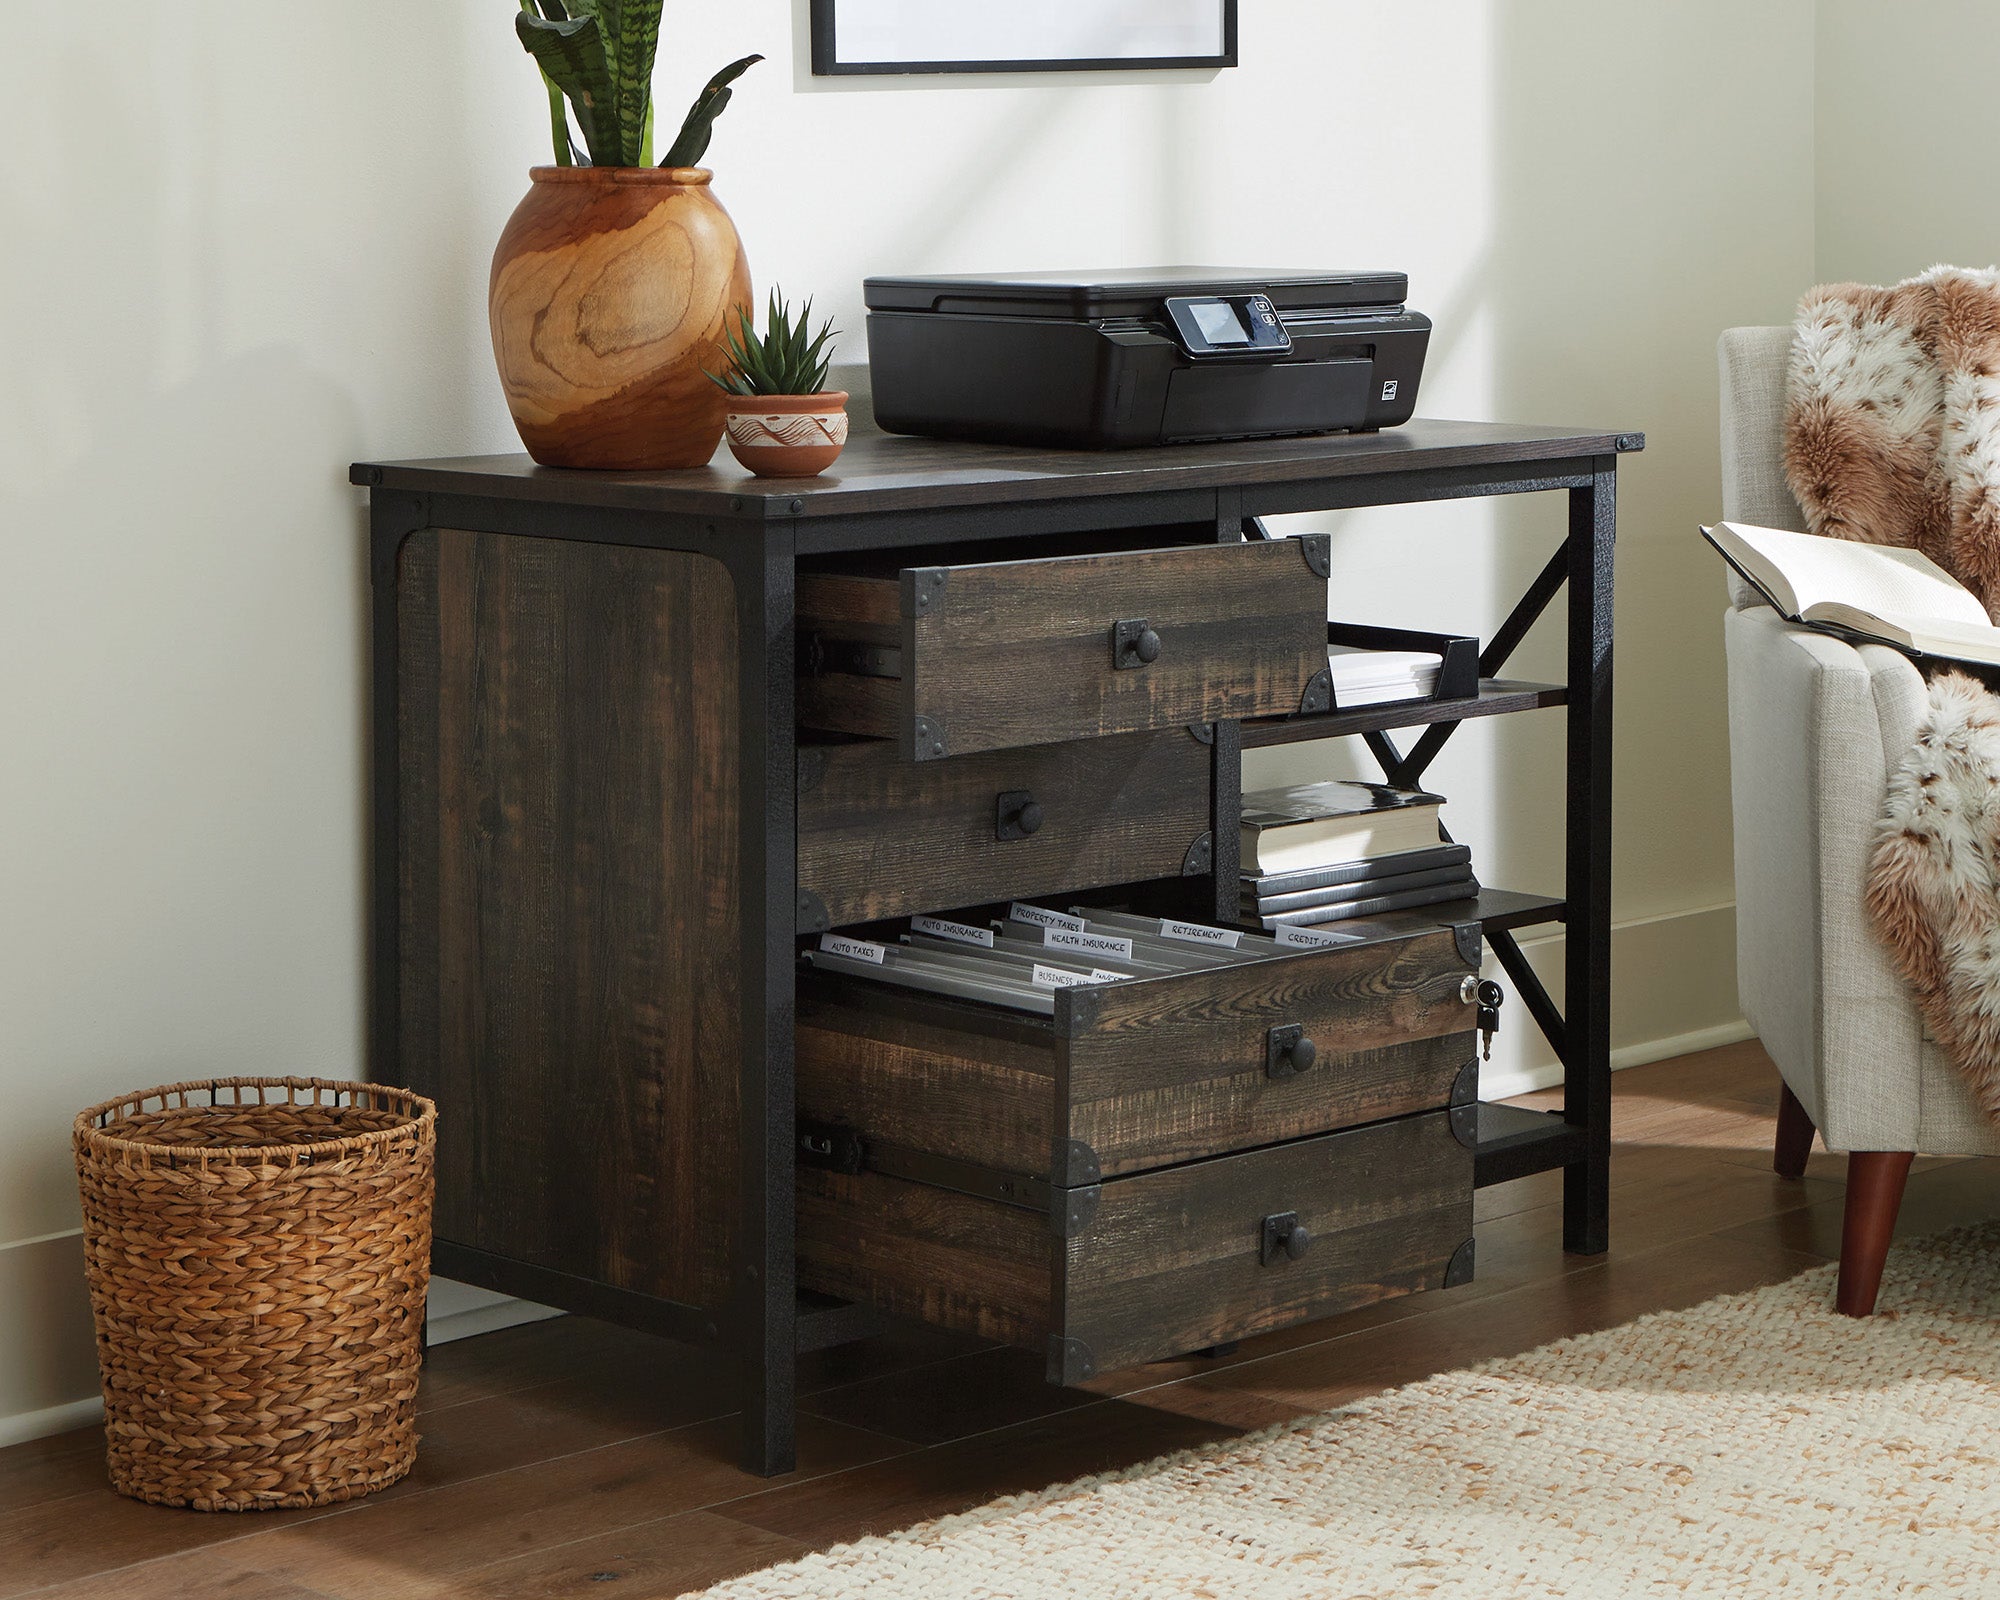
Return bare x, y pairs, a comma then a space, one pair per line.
1815, 727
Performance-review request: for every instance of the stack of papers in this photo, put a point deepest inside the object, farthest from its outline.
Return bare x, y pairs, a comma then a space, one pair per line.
1374, 677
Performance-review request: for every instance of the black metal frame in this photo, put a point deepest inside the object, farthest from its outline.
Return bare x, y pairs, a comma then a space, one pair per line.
766, 1321
825, 64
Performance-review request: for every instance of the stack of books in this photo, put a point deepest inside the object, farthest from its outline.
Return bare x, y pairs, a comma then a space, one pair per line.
1325, 852
1363, 677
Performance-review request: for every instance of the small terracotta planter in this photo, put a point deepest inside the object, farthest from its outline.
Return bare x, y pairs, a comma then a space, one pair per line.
788, 435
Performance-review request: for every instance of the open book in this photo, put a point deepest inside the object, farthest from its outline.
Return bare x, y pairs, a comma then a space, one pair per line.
1870, 591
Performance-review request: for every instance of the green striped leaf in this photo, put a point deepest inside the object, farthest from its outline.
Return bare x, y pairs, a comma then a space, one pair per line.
637, 29
571, 53
691, 144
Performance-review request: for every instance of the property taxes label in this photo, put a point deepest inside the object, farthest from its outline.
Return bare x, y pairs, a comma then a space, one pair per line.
1042, 917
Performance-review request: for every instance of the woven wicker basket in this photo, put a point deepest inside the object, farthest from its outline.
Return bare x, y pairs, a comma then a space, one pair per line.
258, 1251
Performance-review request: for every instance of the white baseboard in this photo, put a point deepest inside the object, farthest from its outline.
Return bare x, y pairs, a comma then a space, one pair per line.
54, 1419
459, 1311
1527, 1080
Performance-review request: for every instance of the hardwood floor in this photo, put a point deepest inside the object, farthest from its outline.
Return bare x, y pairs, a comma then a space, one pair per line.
567, 1455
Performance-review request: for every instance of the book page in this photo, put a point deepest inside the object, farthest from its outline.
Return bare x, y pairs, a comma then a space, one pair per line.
1968, 642
1881, 579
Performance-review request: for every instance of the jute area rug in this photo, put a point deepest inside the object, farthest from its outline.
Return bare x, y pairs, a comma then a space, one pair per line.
1756, 1445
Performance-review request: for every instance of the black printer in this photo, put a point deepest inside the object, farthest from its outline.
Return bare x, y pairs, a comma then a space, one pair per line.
1168, 355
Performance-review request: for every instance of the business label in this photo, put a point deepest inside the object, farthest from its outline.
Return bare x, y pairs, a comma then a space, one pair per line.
956, 932
1098, 944
1042, 917
1290, 937
1057, 978
838, 944
1198, 933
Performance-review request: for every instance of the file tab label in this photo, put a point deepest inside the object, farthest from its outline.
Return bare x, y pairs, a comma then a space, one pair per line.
1042, 917
1101, 944
956, 932
838, 944
1199, 933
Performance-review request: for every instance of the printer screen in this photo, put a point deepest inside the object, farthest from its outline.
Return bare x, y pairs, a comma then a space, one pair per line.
1220, 322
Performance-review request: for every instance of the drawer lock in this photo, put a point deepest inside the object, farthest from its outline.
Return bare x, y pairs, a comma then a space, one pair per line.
1288, 1052
1285, 1239
1134, 644
1016, 815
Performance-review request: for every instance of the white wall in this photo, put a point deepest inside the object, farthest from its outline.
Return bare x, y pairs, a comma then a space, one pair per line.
243, 256
1905, 166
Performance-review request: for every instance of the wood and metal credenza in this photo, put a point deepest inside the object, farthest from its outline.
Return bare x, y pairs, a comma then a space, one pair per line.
638, 739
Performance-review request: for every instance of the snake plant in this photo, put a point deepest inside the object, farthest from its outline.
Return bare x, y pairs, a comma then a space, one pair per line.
598, 55
787, 359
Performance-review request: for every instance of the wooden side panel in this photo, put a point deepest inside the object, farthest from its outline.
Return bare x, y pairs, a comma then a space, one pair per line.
1171, 1262
1019, 652
908, 1076
1155, 1127
945, 1258
570, 901
883, 837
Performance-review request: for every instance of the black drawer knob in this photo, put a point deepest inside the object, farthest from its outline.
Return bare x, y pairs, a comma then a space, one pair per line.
1016, 815
1284, 1239
1288, 1051
1134, 644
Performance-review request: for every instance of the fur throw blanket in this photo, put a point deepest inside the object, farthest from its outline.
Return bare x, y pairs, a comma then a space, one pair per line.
1934, 878
1892, 436
1892, 419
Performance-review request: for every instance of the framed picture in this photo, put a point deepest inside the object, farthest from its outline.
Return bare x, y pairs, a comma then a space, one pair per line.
863, 36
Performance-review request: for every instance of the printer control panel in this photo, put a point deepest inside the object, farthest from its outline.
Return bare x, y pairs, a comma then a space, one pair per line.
1233, 326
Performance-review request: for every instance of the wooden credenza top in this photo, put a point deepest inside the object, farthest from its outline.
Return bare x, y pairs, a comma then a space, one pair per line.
891, 472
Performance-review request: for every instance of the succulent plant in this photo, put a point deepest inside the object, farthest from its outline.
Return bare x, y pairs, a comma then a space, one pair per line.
785, 359
598, 55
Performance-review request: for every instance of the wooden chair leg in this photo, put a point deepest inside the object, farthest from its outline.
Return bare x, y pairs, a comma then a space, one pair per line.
1795, 1135
1875, 1180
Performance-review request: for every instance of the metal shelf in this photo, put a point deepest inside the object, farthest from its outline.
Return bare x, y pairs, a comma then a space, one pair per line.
1515, 1142
1497, 697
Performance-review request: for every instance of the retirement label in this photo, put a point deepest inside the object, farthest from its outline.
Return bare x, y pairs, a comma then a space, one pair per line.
1197, 933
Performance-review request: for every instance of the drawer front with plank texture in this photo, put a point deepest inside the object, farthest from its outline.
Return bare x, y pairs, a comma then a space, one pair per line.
949, 660
881, 837
1159, 1263
1149, 1071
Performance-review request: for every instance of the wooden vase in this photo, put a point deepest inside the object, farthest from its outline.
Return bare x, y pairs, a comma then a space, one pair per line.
610, 292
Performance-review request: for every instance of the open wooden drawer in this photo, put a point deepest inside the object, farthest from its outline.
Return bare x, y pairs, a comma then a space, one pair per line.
1108, 1178
992, 655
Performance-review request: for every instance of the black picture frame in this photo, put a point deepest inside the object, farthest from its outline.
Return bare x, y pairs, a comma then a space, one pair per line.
825, 64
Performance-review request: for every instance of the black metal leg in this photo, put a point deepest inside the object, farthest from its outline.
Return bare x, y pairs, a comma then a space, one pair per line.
765, 1287
1593, 515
